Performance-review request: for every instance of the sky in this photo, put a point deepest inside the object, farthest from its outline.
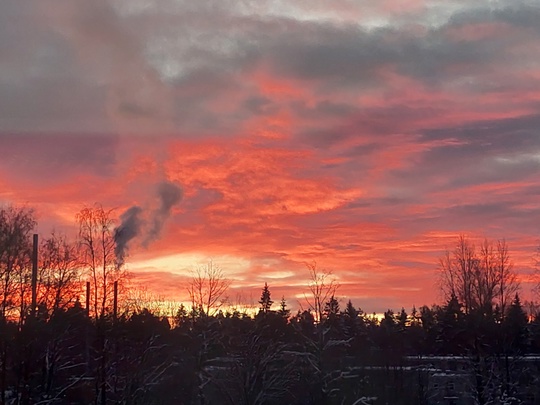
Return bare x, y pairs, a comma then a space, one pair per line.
362, 135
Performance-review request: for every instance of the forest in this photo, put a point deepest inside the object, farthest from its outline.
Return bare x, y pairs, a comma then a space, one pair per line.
67, 336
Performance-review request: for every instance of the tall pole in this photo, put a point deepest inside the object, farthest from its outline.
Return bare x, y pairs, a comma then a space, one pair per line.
34, 273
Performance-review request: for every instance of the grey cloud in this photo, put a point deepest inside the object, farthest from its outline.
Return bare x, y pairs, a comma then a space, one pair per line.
259, 105
55, 157
481, 152
324, 138
351, 56
518, 13
490, 150
326, 108
72, 71
517, 133
501, 217
487, 210
42, 86
50, 106
168, 65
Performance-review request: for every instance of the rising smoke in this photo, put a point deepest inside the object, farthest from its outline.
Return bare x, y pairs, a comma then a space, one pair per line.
169, 195
134, 222
128, 229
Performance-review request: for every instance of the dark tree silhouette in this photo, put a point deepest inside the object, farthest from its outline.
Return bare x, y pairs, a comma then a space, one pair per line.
322, 285
16, 226
97, 253
265, 301
58, 274
283, 311
479, 279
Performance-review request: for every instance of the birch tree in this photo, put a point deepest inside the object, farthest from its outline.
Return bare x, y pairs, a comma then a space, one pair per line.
97, 253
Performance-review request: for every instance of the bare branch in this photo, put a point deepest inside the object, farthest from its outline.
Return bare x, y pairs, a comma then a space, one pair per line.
322, 285
207, 288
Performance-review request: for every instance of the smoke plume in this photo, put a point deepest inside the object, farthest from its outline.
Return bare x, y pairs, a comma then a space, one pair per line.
128, 229
136, 222
169, 195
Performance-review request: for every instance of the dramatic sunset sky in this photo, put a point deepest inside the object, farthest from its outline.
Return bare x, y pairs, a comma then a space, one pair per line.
366, 135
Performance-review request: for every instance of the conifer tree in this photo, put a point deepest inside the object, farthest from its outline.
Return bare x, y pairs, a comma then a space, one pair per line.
351, 318
402, 319
515, 327
265, 301
283, 311
331, 308
350, 310
451, 327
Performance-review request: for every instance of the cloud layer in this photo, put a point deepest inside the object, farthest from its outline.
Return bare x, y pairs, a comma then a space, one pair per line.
364, 135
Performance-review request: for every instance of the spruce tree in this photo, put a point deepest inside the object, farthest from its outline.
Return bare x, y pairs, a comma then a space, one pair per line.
452, 330
283, 311
331, 308
350, 310
265, 301
351, 319
515, 327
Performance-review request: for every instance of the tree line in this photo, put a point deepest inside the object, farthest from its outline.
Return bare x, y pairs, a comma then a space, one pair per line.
62, 352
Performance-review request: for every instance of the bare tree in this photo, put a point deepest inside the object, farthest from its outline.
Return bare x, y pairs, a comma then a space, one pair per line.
97, 252
508, 282
322, 285
207, 288
16, 225
457, 272
486, 277
479, 279
58, 276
